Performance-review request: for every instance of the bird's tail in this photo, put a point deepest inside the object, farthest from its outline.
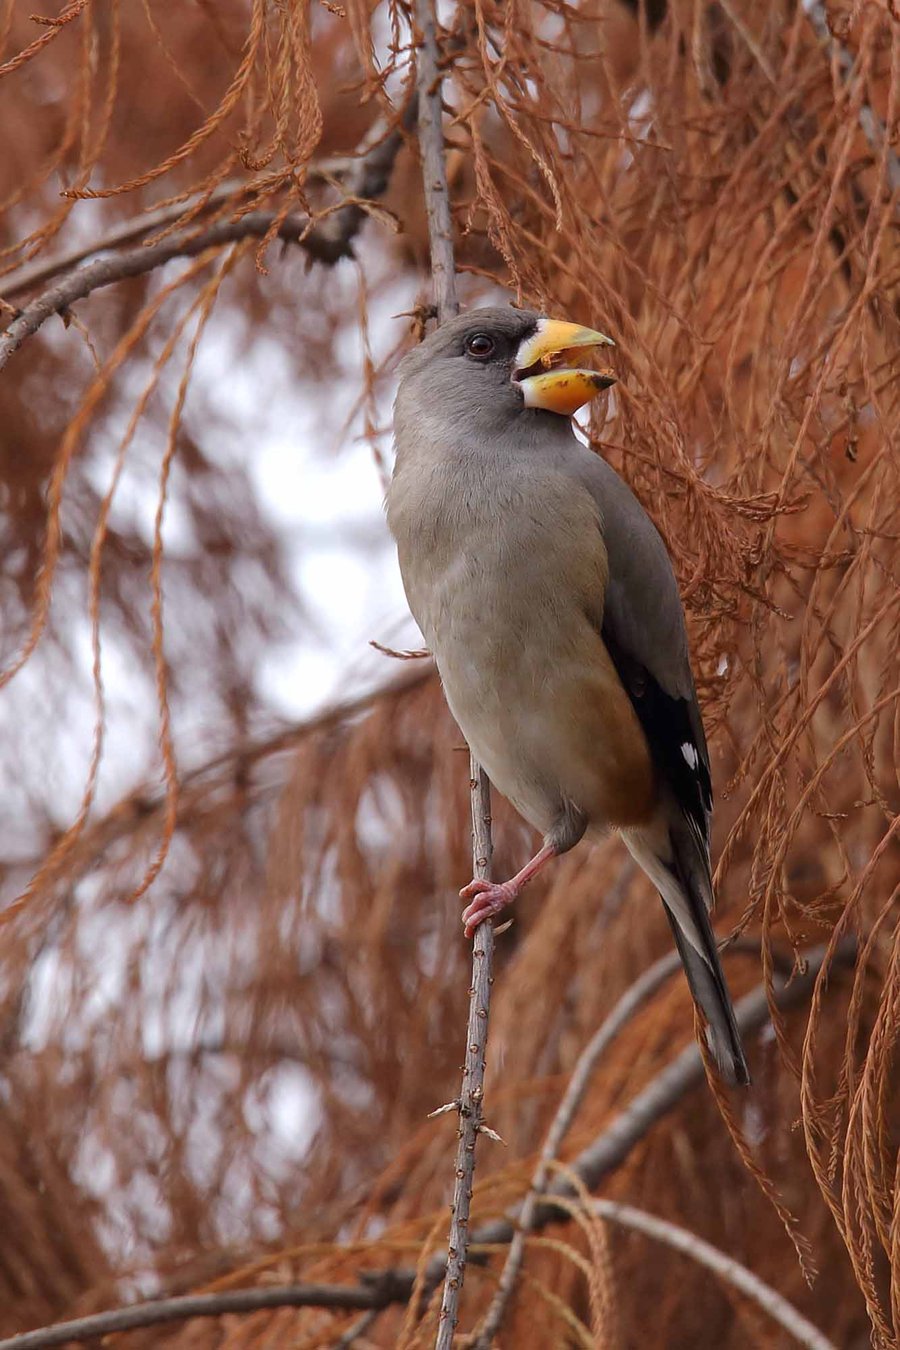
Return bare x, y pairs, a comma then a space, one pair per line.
677, 864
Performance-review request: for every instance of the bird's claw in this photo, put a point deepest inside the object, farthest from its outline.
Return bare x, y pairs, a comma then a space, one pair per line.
488, 898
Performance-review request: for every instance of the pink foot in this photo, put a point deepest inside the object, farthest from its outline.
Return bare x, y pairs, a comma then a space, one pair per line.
488, 898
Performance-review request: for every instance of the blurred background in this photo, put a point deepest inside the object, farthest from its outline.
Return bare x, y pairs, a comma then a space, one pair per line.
233, 981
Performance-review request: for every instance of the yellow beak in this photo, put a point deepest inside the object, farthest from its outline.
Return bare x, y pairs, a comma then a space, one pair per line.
547, 383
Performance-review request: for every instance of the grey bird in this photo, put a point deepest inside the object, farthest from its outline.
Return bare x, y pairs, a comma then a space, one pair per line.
548, 600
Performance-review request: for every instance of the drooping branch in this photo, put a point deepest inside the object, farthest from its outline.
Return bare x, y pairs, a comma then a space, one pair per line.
199, 783
642, 989
327, 237
135, 262
196, 206
726, 1267
26, 278
610, 1149
383, 1288
871, 125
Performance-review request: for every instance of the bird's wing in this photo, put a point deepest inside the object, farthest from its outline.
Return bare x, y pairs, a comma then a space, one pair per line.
644, 632
643, 629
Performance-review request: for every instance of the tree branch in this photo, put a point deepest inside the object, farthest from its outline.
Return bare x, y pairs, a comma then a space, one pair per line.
359, 1327
327, 238
471, 1098
383, 1288
429, 83
705, 1254
160, 1311
33, 274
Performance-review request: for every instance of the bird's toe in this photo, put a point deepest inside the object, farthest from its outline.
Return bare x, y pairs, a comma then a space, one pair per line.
489, 899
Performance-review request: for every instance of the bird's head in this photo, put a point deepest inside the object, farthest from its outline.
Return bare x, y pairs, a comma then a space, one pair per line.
497, 362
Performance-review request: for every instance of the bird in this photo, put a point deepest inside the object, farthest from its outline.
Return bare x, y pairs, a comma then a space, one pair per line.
548, 600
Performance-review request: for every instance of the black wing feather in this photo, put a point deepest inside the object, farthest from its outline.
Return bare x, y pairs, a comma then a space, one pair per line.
674, 733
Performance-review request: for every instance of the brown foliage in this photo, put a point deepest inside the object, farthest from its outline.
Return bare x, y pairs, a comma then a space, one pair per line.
275, 931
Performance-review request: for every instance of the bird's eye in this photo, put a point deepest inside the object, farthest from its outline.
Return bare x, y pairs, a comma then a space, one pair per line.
480, 346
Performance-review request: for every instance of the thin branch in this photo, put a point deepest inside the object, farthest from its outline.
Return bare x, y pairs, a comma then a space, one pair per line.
387, 1287
328, 239
434, 168
705, 1254
471, 1097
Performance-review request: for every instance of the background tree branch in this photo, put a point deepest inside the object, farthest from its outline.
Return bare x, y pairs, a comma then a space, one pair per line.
326, 237
380, 1289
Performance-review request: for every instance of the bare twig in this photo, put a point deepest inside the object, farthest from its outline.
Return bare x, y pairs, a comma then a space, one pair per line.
767, 1298
327, 239
471, 1097
383, 1288
416, 654
434, 167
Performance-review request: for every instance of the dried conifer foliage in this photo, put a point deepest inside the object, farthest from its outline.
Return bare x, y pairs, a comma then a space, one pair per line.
232, 977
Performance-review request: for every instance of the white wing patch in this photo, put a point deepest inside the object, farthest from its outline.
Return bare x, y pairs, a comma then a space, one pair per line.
690, 754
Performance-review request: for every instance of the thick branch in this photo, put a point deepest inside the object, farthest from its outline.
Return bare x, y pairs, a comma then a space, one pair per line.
34, 274
329, 239
608, 1152
197, 205
295, 229
161, 1311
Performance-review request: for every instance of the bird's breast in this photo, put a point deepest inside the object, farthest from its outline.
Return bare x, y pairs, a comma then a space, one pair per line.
508, 591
